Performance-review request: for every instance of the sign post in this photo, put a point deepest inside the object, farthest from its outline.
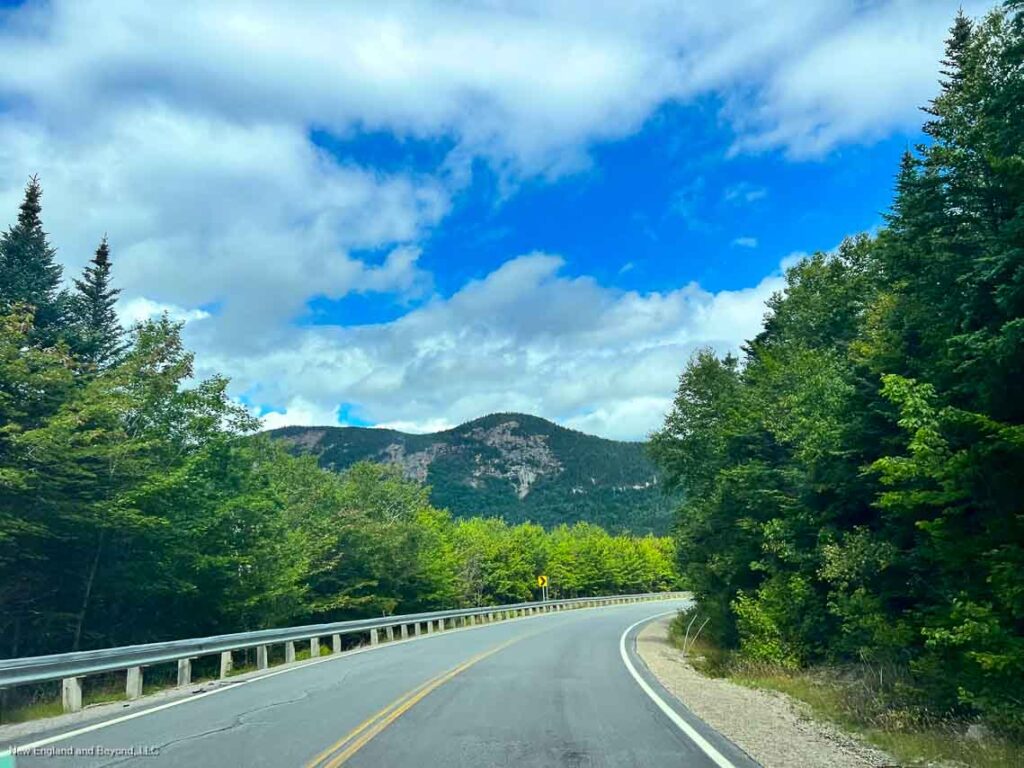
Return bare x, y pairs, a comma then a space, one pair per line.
542, 582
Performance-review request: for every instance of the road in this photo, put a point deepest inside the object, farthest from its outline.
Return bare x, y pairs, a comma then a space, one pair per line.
548, 690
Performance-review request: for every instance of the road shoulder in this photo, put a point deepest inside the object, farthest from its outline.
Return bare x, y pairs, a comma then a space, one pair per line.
770, 727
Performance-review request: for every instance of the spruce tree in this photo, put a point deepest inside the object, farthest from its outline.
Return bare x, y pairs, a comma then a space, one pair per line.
98, 337
29, 273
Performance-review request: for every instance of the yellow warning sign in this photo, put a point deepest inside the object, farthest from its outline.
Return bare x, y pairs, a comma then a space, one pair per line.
542, 581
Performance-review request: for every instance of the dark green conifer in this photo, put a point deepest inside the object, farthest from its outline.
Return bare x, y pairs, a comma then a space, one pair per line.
98, 337
29, 273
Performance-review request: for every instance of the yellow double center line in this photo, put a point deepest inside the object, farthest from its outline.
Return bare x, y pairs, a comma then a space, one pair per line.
340, 751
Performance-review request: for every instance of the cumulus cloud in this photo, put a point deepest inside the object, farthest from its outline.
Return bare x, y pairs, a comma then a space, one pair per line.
203, 211
417, 427
527, 85
186, 131
527, 337
140, 308
300, 412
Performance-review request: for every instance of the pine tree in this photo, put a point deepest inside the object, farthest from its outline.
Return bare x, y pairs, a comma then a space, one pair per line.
28, 272
98, 337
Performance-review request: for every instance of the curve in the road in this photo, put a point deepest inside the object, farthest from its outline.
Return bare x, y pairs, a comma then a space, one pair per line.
555, 689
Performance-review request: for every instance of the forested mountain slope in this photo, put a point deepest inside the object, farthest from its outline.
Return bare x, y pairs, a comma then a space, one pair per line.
512, 465
137, 504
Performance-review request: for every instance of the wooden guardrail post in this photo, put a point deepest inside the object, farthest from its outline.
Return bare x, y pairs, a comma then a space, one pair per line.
262, 657
289, 652
374, 640
314, 647
389, 633
403, 631
227, 663
336, 643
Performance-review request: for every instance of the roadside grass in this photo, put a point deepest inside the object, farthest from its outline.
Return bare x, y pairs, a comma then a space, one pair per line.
869, 701
43, 701
32, 711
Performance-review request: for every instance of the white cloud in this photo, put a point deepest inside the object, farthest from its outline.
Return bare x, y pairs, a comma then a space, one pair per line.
140, 309
417, 427
856, 83
300, 412
745, 242
620, 420
183, 129
527, 85
791, 260
201, 211
524, 338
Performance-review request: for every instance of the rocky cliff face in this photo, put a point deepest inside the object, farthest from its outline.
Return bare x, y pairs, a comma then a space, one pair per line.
522, 458
513, 465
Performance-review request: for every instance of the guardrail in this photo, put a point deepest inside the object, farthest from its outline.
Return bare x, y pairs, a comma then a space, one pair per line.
71, 668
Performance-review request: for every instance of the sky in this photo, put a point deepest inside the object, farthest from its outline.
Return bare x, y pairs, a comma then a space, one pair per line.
414, 214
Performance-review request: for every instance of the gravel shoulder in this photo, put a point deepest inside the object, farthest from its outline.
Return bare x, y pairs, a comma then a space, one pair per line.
775, 730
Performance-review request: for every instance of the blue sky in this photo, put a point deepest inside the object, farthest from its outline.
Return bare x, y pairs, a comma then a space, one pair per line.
659, 209
415, 214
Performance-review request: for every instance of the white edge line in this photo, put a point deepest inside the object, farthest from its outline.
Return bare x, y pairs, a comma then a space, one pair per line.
196, 696
105, 723
717, 757
220, 689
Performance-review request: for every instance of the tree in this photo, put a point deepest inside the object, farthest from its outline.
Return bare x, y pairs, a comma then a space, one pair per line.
33, 385
29, 274
98, 337
852, 487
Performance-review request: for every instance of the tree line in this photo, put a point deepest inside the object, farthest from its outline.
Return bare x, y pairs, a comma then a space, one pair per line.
138, 504
855, 479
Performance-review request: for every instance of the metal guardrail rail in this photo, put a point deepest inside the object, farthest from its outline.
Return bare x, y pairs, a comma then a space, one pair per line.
72, 667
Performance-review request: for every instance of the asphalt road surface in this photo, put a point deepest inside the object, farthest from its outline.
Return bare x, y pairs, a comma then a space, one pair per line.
561, 689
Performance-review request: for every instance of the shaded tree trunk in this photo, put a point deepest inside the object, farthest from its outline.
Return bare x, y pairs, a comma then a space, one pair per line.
89, 582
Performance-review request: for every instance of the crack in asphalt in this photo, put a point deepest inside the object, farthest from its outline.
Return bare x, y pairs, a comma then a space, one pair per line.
241, 719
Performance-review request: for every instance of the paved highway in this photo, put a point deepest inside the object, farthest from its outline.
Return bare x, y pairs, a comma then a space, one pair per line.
561, 689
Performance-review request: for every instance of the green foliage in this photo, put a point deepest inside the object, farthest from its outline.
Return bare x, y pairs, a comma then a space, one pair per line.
29, 275
138, 504
876, 701
853, 486
474, 470
97, 333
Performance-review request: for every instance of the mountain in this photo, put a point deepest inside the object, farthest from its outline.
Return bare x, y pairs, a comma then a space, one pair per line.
512, 465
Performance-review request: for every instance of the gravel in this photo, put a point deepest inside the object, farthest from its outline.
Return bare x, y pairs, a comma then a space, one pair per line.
772, 728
